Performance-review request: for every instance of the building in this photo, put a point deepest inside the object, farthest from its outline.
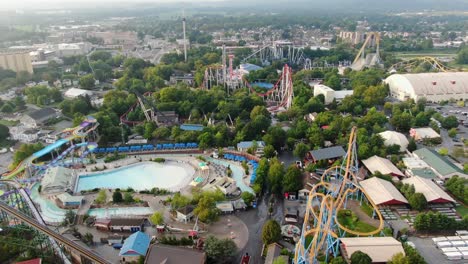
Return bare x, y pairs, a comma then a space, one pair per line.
382, 192
441, 166
185, 214
432, 192
394, 138
166, 118
330, 94
134, 247
188, 79
225, 207
126, 224
39, 117
423, 133
69, 201
246, 68
58, 180
73, 49
102, 223
435, 86
273, 253
353, 37
331, 153
191, 127
417, 167
76, 92
379, 249
160, 254
378, 164
16, 61
125, 38
24, 134
243, 146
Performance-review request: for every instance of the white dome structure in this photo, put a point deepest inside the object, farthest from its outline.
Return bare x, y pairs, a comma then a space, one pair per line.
395, 138
435, 86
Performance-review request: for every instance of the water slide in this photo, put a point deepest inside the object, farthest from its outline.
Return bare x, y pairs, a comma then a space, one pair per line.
80, 131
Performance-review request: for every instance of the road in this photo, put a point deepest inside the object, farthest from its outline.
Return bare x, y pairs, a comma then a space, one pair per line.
254, 219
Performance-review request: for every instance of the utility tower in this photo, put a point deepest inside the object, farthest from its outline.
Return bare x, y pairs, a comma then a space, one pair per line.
185, 40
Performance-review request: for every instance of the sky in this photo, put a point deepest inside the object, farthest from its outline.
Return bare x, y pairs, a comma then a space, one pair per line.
331, 4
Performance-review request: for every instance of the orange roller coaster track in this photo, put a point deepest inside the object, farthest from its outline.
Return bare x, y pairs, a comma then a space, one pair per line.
326, 198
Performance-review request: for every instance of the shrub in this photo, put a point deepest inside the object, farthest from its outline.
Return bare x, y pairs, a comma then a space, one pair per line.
159, 160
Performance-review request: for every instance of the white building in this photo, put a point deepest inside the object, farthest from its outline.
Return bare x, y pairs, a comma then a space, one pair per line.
73, 49
330, 94
24, 134
423, 133
435, 87
395, 138
76, 92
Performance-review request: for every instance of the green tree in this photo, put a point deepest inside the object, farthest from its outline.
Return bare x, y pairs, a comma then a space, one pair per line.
338, 260
301, 150
69, 219
399, 258
4, 132
418, 201
206, 206
275, 176
359, 257
117, 197
462, 55
269, 151
279, 260
88, 238
248, 198
220, 250
452, 132
101, 197
179, 201
271, 232
87, 81
412, 145
450, 122
128, 198
443, 151
292, 181
157, 218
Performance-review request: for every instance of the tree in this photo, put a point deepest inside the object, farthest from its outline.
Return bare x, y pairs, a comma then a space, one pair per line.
69, 217
248, 198
117, 197
450, 122
359, 257
4, 132
292, 181
418, 201
271, 232
87, 81
220, 250
279, 260
128, 198
269, 151
338, 260
301, 150
88, 238
412, 145
157, 218
102, 197
443, 151
275, 176
399, 258
179, 201
452, 132
462, 56
206, 207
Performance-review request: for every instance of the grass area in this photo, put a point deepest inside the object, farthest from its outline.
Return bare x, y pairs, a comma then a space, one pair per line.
308, 240
366, 208
9, 123
349, 219
462, 210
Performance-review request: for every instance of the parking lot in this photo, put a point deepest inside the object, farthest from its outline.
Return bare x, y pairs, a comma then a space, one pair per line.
431, 254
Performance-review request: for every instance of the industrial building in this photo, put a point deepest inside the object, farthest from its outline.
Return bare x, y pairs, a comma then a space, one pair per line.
435, 87
394, 138
382, 192
331, 94
432, 192
16, 61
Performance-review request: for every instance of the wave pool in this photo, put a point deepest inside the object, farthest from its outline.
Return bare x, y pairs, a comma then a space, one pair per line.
171, 175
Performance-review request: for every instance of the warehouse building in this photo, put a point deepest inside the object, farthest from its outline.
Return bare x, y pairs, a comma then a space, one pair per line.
394, 138
429, 189
435, 87
382, 192
379, 249
441, 166
378, 164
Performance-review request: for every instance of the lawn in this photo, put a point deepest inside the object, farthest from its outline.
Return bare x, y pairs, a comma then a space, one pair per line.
349, 219
366, 208
8, 122
462, 210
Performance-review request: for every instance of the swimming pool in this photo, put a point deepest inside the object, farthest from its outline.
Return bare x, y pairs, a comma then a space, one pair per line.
50, 212
120, 211
237, 174
170, 175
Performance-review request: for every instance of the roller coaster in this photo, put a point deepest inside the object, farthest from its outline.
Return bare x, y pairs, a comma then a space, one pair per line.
410, 64
68, 135
325, 199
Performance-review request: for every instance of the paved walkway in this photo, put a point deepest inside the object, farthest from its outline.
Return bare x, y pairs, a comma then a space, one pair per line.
356, 208
232, 227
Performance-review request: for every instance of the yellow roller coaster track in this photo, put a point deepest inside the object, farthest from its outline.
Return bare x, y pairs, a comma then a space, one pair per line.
410, 64
332, 203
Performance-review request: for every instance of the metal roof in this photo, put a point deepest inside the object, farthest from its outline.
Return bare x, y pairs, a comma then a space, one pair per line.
437, 162
328, 153
430, 83
429, 189
384, 166
135, 245
379, 249
382, 191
